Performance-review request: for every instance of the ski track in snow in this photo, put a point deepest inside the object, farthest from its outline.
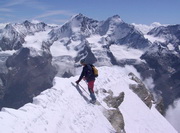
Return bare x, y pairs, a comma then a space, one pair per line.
61, 109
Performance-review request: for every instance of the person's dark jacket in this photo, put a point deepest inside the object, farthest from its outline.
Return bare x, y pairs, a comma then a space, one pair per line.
85, 73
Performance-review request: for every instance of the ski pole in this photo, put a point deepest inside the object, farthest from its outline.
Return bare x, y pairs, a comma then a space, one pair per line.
83, 89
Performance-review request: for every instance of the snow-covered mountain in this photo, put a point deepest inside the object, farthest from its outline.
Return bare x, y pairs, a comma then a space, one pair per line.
62, 109
32, 53
12, 36
171, 35
84, 37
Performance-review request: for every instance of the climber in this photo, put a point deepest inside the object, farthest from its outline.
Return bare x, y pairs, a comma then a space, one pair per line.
88, 76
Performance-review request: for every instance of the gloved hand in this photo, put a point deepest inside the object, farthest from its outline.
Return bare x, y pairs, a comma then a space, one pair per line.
77, 82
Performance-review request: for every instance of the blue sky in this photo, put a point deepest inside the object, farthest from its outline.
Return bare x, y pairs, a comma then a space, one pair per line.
59, 11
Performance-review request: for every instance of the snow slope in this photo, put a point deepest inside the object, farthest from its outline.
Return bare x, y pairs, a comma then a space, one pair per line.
61, 109
146, 28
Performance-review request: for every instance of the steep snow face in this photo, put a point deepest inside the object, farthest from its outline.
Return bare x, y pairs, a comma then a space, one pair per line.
138, 117
82, 25
77, 28
35, 42
63, 109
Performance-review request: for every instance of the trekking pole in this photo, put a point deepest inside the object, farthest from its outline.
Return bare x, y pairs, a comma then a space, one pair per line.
83, 89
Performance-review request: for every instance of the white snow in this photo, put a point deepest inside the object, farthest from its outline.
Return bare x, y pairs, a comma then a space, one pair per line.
153, 39
62, 109
34, 42
123, 52
170, 46
59, 49
9, 52
146, 28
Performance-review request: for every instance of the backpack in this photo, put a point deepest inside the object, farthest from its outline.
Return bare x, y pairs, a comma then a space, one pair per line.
92, 71
95, 71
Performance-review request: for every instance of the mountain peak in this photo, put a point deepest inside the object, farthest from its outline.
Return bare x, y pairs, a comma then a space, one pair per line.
79, 17
27, 23
116, 18
9, 26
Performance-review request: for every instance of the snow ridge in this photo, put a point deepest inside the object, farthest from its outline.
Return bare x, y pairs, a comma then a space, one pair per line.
61, 108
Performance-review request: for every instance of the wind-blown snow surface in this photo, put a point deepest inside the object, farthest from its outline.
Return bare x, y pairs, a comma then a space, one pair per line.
62, 109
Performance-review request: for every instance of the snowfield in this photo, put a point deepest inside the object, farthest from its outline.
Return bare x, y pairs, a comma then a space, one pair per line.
61, 109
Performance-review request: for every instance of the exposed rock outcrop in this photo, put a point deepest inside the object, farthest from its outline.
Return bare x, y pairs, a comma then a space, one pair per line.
141, 90
114, 115
114, 102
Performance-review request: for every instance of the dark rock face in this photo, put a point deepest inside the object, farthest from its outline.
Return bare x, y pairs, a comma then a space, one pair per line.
133, 39
166, 74
27, 76
85, 52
